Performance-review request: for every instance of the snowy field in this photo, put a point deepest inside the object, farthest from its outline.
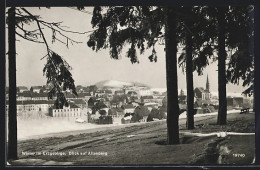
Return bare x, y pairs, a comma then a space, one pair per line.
46, 125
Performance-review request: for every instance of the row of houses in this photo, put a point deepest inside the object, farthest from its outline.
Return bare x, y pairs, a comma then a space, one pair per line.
47, 106
24, 96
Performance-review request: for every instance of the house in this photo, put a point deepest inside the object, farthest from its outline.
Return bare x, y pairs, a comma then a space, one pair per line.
36, 89
71, 111
69, 95
22, 89
33, 105
119, 92
79, 102
79, 89
132, 93
39, 96
20, 97
128, 108
84, 96
146, 99
114, 104
100, 93
145, 91
202, 94
87, 96
27, 95
108, 92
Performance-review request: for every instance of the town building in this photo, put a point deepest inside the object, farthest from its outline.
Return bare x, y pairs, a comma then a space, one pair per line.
202, 94
145, 91
21, 89
79, 102
128, 108
32, 105
119, 92
146, 99
39, 96
36, 89
71, 111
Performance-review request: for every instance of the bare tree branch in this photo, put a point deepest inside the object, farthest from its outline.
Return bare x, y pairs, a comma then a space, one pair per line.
26, 38
38, 24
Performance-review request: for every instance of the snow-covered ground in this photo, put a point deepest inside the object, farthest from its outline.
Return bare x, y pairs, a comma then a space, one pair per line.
31, 127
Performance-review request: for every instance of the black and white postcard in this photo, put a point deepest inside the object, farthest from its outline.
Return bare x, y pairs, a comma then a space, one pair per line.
130, 85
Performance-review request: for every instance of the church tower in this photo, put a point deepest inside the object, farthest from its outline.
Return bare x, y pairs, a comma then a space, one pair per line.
207, 84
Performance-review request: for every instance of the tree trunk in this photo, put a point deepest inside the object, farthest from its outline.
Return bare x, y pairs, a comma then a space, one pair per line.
172, 80
12, 119
222, 110
189, 77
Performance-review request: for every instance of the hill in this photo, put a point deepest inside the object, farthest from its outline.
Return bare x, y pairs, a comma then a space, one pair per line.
117, 84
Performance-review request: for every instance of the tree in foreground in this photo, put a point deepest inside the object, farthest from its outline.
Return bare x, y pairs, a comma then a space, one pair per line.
197, 50
57, 70
233, 34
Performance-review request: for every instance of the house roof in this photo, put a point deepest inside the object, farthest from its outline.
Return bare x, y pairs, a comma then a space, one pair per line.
22, 88
78, 101
131, 92
46, 87
116, 110
73, 106
39, 94
26, 94
37, 87
201, 89
44, 102
19, 94
31, 102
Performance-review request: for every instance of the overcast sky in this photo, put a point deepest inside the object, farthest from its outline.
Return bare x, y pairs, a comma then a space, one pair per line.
89, 66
